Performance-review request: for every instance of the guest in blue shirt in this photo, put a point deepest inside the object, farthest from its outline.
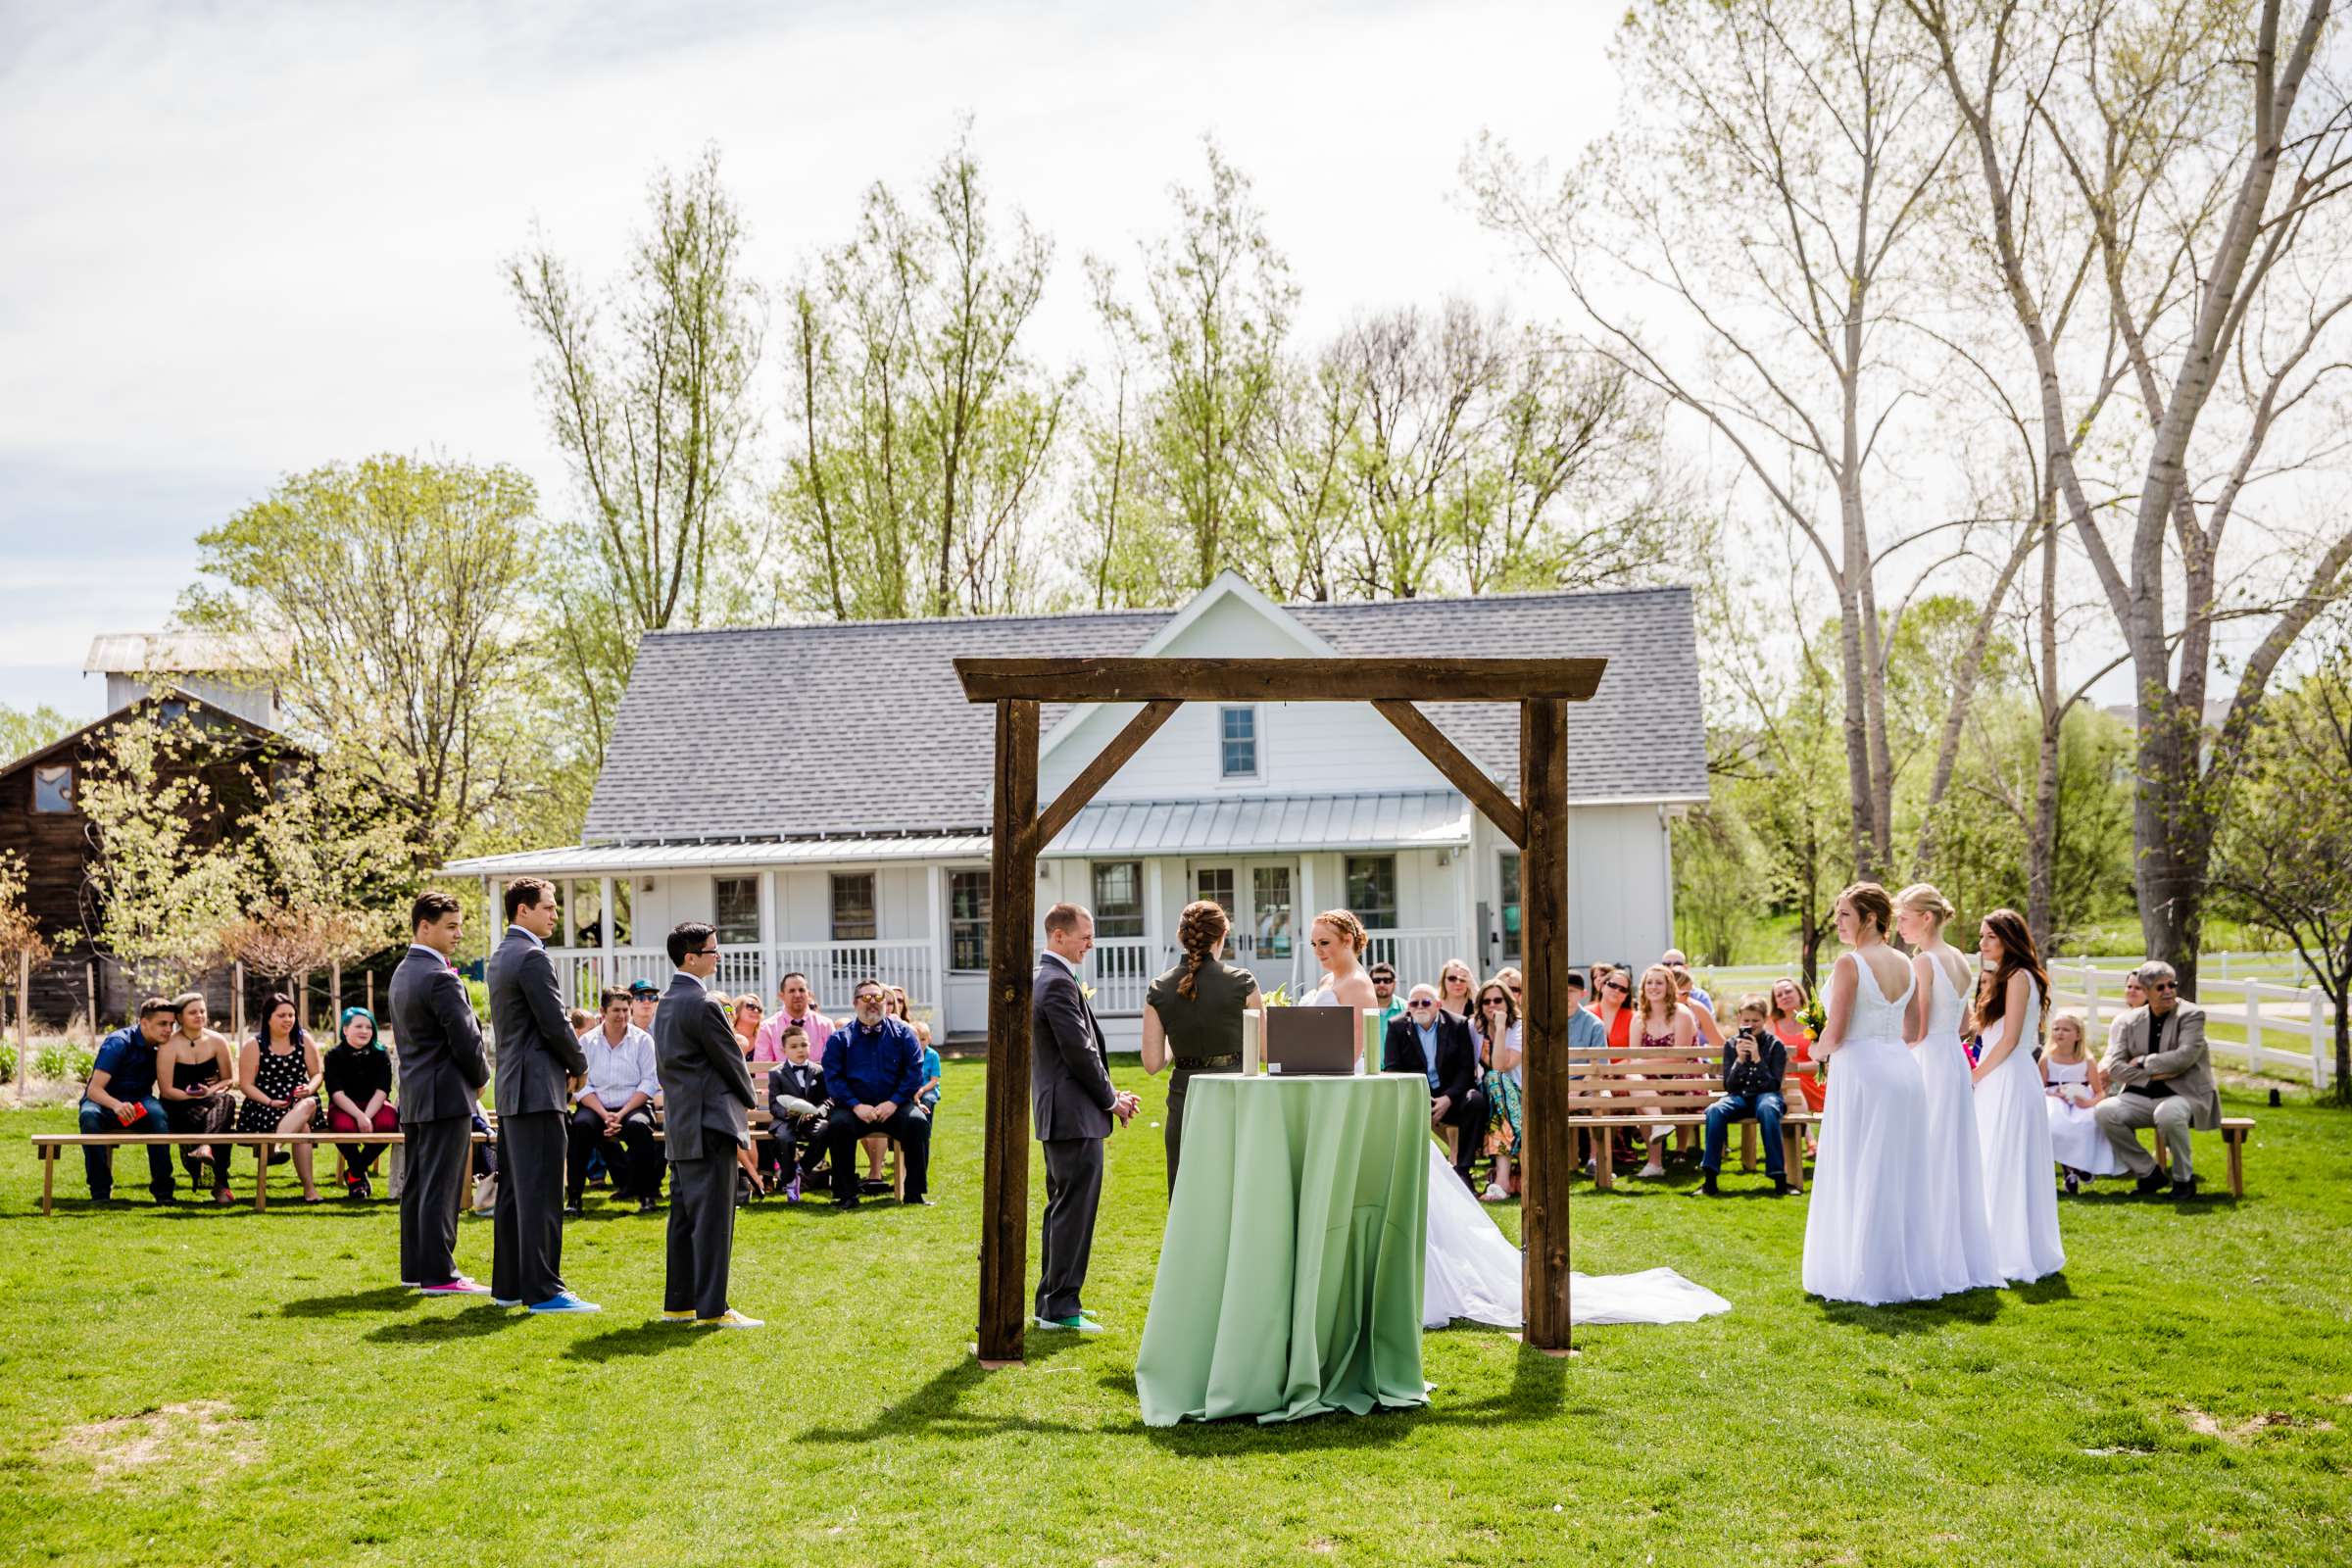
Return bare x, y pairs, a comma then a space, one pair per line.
120, 1098
873, 1072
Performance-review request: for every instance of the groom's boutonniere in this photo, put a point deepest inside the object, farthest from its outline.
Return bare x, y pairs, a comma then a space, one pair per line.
1085, 991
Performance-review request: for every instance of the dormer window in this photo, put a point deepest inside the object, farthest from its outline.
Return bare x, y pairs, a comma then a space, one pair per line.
1237, 743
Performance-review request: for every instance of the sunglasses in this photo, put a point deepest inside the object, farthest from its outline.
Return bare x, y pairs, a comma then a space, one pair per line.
1615, 985
2165, 985
1420, 1006
1497, 999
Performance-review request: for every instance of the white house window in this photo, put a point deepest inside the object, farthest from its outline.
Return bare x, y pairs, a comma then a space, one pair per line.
53, 789
1510, 908
736, 903
967, 920
1118, 897
853, 906
1216, 884
1372, 890
1237, 742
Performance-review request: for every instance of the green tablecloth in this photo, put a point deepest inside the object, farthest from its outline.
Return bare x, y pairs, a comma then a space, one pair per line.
1289, 1279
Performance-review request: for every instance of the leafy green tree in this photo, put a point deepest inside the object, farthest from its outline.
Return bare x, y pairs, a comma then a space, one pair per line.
27, 729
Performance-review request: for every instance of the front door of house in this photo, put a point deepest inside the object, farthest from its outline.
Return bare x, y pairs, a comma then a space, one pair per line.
1261, 897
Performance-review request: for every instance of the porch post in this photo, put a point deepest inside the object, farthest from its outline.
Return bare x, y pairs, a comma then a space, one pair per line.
1545, 1161
1012, 912
1465, 911
1155, 933
605, 914
770, 975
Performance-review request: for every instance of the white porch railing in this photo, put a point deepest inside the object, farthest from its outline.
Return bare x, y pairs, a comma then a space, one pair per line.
1121, 970
833, 969
1415, 956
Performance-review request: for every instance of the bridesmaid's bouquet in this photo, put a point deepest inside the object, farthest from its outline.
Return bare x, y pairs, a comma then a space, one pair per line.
1813, 1016
1279, 997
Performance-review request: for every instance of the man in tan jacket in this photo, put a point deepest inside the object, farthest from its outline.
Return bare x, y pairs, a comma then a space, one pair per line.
2163, 1079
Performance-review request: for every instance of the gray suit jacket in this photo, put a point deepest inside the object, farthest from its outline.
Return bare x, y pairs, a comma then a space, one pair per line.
706, 1088
436, 1040
537, 1051
1069, 1068
2184, 1063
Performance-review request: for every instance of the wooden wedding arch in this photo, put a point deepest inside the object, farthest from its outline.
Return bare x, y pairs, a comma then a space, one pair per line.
1536, 823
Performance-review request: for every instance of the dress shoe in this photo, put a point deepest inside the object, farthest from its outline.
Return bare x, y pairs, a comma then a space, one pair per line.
2153, 1181
573, 1211
2187, 1187
647, 1205
1707, 1187
1784, 1188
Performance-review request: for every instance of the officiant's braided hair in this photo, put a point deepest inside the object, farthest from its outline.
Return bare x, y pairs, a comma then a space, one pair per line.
1200, 927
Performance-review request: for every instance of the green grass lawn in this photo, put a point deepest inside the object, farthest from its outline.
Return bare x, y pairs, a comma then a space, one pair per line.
200, 1385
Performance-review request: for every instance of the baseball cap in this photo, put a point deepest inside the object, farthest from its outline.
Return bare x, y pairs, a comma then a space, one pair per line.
643, 988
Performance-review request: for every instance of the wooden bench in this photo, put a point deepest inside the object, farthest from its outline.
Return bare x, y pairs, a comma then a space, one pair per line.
1661, 1086
2235, 1131
50, 1145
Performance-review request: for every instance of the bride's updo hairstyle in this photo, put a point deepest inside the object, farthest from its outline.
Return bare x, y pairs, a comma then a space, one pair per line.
1198, 930
1870, 903
1921, 897
1346, 926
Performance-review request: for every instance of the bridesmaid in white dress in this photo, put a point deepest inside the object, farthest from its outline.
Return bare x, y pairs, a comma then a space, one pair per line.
2020, 1192
1955, 1167
1869, 1231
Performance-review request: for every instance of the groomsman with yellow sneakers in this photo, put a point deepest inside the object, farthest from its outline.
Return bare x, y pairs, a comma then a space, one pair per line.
705, 1097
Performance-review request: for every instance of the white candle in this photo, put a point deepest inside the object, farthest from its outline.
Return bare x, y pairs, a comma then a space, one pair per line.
1253, 1025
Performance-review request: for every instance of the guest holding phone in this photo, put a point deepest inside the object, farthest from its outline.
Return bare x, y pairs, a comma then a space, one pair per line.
1754, 1061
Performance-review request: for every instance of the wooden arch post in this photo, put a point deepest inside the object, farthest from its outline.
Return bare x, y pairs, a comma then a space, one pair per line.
1536, 823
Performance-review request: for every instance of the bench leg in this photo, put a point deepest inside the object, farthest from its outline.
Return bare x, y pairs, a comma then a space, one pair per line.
2236, 1144
1604, 1167
260, 1177
1792, 1156
1748, 1148
897, 1171
48, 1178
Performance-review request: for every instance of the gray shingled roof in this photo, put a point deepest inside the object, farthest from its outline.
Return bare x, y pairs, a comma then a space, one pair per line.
762, 732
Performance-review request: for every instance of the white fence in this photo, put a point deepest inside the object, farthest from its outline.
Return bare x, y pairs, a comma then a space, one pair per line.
2240, 989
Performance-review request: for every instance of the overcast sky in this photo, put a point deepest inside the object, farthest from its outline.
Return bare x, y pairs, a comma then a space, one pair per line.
248, 239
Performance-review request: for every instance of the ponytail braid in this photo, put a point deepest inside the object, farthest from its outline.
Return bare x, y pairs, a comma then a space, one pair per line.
1200, 927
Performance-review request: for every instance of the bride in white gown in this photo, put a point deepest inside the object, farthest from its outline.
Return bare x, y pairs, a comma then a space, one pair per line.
1470, 1269
1869, 1229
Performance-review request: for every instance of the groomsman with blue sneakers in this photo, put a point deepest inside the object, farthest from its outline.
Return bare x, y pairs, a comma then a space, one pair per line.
538, 1057
439, 1044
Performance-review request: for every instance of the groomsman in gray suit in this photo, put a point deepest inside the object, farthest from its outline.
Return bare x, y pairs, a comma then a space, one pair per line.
706, 1094
1073, 1103
2162, 1078
438, 1043
537, 1058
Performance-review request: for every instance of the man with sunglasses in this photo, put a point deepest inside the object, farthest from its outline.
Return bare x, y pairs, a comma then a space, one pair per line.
1430, 1041
2164, 1079
1384, 987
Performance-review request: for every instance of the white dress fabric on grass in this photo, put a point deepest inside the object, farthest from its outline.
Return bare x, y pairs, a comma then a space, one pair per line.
2075, 1135
1962, 1239
1870, 1227
2013, 1130
1472, 1272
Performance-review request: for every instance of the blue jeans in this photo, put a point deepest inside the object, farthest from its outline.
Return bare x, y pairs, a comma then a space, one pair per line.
98, 1159
1767, 1112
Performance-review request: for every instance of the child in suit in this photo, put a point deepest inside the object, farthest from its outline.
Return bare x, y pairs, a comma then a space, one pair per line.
797, 1101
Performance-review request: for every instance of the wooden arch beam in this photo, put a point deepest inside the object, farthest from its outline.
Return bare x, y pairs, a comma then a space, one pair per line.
1464, 774
1097, 773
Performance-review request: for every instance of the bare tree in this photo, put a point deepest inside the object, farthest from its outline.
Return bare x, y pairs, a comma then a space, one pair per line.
2206, 155
1772, 183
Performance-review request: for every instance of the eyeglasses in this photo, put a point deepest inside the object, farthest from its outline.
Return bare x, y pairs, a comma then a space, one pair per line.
1615, 985
706, 952
2165, 985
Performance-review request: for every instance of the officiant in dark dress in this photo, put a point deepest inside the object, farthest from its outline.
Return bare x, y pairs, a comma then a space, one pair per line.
1192, 1013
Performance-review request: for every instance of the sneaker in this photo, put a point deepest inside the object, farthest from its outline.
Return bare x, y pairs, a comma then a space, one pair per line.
1495, 1193
1078, 1323
2074, 1182
566, 1301
647, 1205
1706, 1186
686, 1316
729, 1319
366, 1187
1653, 1172
792, 1191
460, 1285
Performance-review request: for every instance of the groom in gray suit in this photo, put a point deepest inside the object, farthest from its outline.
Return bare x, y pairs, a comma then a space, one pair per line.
538, 1057
2163, 1078
439, 1045
1073, 1103
705, 1093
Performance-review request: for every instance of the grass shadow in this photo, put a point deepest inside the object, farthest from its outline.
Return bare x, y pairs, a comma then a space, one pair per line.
2049, 1288
2209, 1200
377, 1298
470, 1324
638, 1339
1977, 1308
932, 1409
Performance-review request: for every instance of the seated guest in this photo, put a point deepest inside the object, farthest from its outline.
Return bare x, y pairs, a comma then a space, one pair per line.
1384, 990
1578, 991
120, 1098
357, 1075
1510, 979
1498, 1032
2161, 1078
280, 1073
1787, 1017
797, 1009
2074, 1086
872, 1069
1702, 1010
613, 1112
1674, 958
1753, 1063
927, 1097
797, 1112
644, 999
1437, 1045
748, 1016
581, 1021
196, 1077
1455, 985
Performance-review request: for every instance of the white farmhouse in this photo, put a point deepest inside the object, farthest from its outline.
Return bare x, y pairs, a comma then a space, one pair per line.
820, 793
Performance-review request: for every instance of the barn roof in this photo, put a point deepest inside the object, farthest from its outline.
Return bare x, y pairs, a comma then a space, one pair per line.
862, 728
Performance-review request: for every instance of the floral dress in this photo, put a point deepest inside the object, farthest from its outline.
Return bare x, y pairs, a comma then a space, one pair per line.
1503, 1097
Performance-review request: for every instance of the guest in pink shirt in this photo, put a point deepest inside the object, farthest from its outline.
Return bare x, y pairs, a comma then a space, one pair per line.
796, 1009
